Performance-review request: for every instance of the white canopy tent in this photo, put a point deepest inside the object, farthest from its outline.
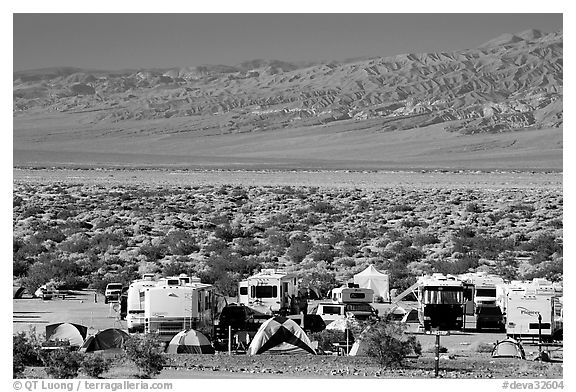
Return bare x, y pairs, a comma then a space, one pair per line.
373, 279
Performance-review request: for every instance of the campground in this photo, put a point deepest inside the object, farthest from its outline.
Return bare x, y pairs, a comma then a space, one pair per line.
467, 353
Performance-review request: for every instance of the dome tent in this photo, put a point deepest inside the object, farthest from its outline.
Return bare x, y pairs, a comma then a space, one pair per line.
373, 279
74, 333
509, 348
189, 342
280, 335
108, 339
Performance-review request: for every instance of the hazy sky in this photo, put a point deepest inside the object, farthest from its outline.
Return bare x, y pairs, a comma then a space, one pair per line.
116, 41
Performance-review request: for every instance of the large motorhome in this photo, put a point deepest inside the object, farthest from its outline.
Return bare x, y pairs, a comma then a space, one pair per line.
171, 308
270, 291
135, 302
441, 302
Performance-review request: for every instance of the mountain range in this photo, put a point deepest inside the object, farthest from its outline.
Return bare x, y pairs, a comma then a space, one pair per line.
269, 110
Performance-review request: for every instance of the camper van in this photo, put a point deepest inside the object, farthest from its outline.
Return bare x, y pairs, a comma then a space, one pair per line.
346, 301
135, 302
352, 294
270, 292
169, 309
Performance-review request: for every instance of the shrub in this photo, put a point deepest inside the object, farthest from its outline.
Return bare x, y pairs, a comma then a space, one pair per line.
25, 350
481, 347
94, 365
62, 363
386, 342
146, 354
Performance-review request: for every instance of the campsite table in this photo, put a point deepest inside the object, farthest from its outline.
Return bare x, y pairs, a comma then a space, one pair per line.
342, 348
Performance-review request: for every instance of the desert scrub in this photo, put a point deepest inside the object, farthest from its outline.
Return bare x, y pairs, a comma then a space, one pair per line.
481, 347
25, 352
62, 363
94, 365
386, 342
145, 352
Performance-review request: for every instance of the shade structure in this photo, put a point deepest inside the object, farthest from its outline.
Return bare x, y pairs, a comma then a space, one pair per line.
189, 342
280, 335
74, 333
509, 348
373, 279
108, 339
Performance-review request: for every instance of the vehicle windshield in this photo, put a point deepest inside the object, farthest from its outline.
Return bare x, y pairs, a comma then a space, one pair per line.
114, 286
358, 308
443, 295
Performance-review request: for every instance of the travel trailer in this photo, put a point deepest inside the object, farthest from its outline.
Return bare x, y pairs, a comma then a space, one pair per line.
531, 309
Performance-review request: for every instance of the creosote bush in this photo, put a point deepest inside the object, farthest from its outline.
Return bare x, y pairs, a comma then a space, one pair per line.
94, 365
62, 363
386, 342
146, 353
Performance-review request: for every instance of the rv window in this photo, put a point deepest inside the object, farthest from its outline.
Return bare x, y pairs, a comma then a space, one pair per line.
243, 290
442, 295
486, 292
265, 291
331, 310
173, 282
357, 295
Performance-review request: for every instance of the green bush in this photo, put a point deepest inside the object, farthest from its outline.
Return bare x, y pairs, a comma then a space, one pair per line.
145, 352
25, 349
62, 363
386, 342
94, 365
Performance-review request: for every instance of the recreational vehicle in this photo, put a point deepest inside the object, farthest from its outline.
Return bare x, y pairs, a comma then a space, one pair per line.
441, 302
532, 309
135, 302
480, 295
346, 301
169, 309
270, 292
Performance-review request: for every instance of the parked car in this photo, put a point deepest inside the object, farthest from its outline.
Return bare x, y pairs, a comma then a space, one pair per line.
113, 292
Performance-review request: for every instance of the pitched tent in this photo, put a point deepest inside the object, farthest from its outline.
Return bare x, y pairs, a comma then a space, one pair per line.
509, 348
17, 292
108, 339
189, 342
74, 333
373, 279
280, 335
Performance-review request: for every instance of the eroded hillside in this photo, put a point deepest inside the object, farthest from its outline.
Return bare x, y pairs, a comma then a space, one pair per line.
512, 82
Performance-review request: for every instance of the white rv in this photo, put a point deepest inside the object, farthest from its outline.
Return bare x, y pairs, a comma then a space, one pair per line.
135, 302
531, 308
348, 294
270, 291
169, 309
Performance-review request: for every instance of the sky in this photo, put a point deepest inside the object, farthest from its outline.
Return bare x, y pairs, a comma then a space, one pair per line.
112, 41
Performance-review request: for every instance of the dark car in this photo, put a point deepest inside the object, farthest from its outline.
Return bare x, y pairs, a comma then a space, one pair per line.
489, 317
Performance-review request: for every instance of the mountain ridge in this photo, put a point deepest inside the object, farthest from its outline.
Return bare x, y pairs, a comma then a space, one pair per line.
511, 83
